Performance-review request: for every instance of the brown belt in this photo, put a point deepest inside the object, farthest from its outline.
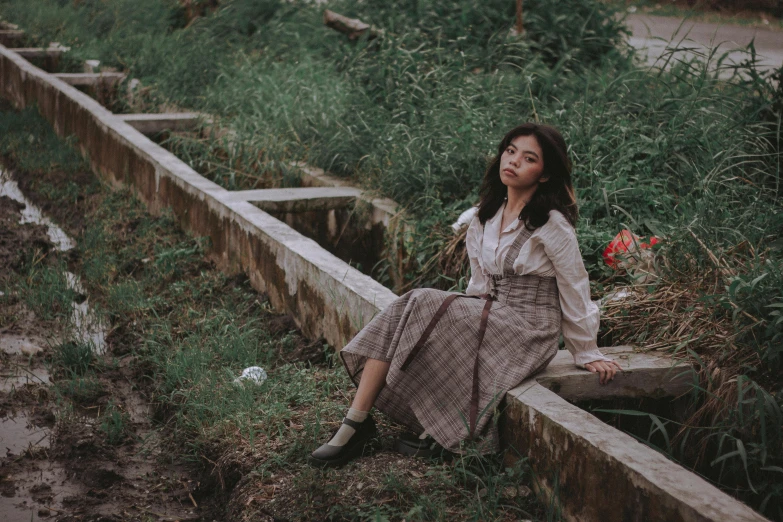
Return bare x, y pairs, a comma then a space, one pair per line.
474, 396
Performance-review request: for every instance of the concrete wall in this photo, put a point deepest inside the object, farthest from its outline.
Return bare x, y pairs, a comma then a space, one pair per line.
325, 295
603, 474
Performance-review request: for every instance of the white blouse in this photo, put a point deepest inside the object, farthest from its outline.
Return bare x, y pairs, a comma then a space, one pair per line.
551, 251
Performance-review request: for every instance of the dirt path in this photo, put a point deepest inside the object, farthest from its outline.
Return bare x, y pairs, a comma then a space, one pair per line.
654, 34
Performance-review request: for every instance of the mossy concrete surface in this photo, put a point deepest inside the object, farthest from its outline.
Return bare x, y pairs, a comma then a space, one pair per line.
600, 473
154, 123
648, 375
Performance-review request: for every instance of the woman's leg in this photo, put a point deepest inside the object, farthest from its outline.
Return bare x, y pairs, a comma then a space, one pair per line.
356, 428
373, 379
370, 385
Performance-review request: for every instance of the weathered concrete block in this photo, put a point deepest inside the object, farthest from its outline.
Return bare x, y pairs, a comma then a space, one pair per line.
643, 375
48, 57
11, 37
294, 200
154, 123
39, 52
366, 229
382, 210
599, 473
90, 79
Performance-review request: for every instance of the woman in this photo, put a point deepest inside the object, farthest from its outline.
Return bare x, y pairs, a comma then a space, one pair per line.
440, 362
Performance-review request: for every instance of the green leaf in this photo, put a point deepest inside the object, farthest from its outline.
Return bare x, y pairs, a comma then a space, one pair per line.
660, 427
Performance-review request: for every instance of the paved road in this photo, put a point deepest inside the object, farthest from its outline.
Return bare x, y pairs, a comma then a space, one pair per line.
654, 35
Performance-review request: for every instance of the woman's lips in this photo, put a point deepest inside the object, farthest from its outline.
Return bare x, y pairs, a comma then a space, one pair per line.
509, 172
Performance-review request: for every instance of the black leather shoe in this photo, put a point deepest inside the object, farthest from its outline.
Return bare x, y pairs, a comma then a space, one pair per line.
411, 445
332, 456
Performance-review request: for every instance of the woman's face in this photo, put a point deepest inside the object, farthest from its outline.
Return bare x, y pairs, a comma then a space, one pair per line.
522, 163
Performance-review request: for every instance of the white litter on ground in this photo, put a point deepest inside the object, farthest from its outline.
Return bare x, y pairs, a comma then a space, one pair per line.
254, 374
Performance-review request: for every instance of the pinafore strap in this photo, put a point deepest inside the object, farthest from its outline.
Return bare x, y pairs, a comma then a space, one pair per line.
513, 252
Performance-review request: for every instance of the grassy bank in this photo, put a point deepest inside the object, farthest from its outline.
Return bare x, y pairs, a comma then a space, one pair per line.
186, 331
414, 114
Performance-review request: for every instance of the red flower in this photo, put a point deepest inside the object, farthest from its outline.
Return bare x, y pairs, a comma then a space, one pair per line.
623, 243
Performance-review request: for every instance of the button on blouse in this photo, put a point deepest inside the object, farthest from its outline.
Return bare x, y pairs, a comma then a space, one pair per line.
551, 251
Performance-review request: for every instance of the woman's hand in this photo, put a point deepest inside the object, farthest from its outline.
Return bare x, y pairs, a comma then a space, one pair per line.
604, 369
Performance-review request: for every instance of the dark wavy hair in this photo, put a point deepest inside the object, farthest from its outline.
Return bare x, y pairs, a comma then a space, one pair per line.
557, 193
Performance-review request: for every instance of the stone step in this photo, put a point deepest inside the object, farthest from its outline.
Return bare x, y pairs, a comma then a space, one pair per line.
154, 123
90, 79
644, 375
298, 199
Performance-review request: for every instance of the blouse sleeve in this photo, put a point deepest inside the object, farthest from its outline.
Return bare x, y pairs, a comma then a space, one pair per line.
479, 282
581, 316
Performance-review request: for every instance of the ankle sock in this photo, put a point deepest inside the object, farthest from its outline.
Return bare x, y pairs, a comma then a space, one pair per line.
345, 432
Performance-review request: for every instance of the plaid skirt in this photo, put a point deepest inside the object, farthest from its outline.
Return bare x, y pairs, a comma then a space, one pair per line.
433, 390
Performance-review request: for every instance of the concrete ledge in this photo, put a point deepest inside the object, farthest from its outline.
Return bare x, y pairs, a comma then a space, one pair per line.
154, 123
371, 225
39, 52
298, 199
382, 209
599, 473
90, 79
643, 375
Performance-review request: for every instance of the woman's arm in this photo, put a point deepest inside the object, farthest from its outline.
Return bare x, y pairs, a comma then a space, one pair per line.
479, 282
581, 316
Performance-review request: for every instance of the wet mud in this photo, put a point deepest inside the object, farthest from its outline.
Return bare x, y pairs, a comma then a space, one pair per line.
57, 458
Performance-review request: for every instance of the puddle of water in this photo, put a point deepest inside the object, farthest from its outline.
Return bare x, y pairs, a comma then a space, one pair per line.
18, 433
20, 344
10, 510
16, 377
33, 214
36, 492
87, 328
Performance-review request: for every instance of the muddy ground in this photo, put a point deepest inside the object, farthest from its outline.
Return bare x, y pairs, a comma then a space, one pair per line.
57, 463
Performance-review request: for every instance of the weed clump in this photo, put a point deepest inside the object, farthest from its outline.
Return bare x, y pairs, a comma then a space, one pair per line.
114, 424
75, 357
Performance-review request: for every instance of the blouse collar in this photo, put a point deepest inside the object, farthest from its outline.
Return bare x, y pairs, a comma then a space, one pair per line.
498, 217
